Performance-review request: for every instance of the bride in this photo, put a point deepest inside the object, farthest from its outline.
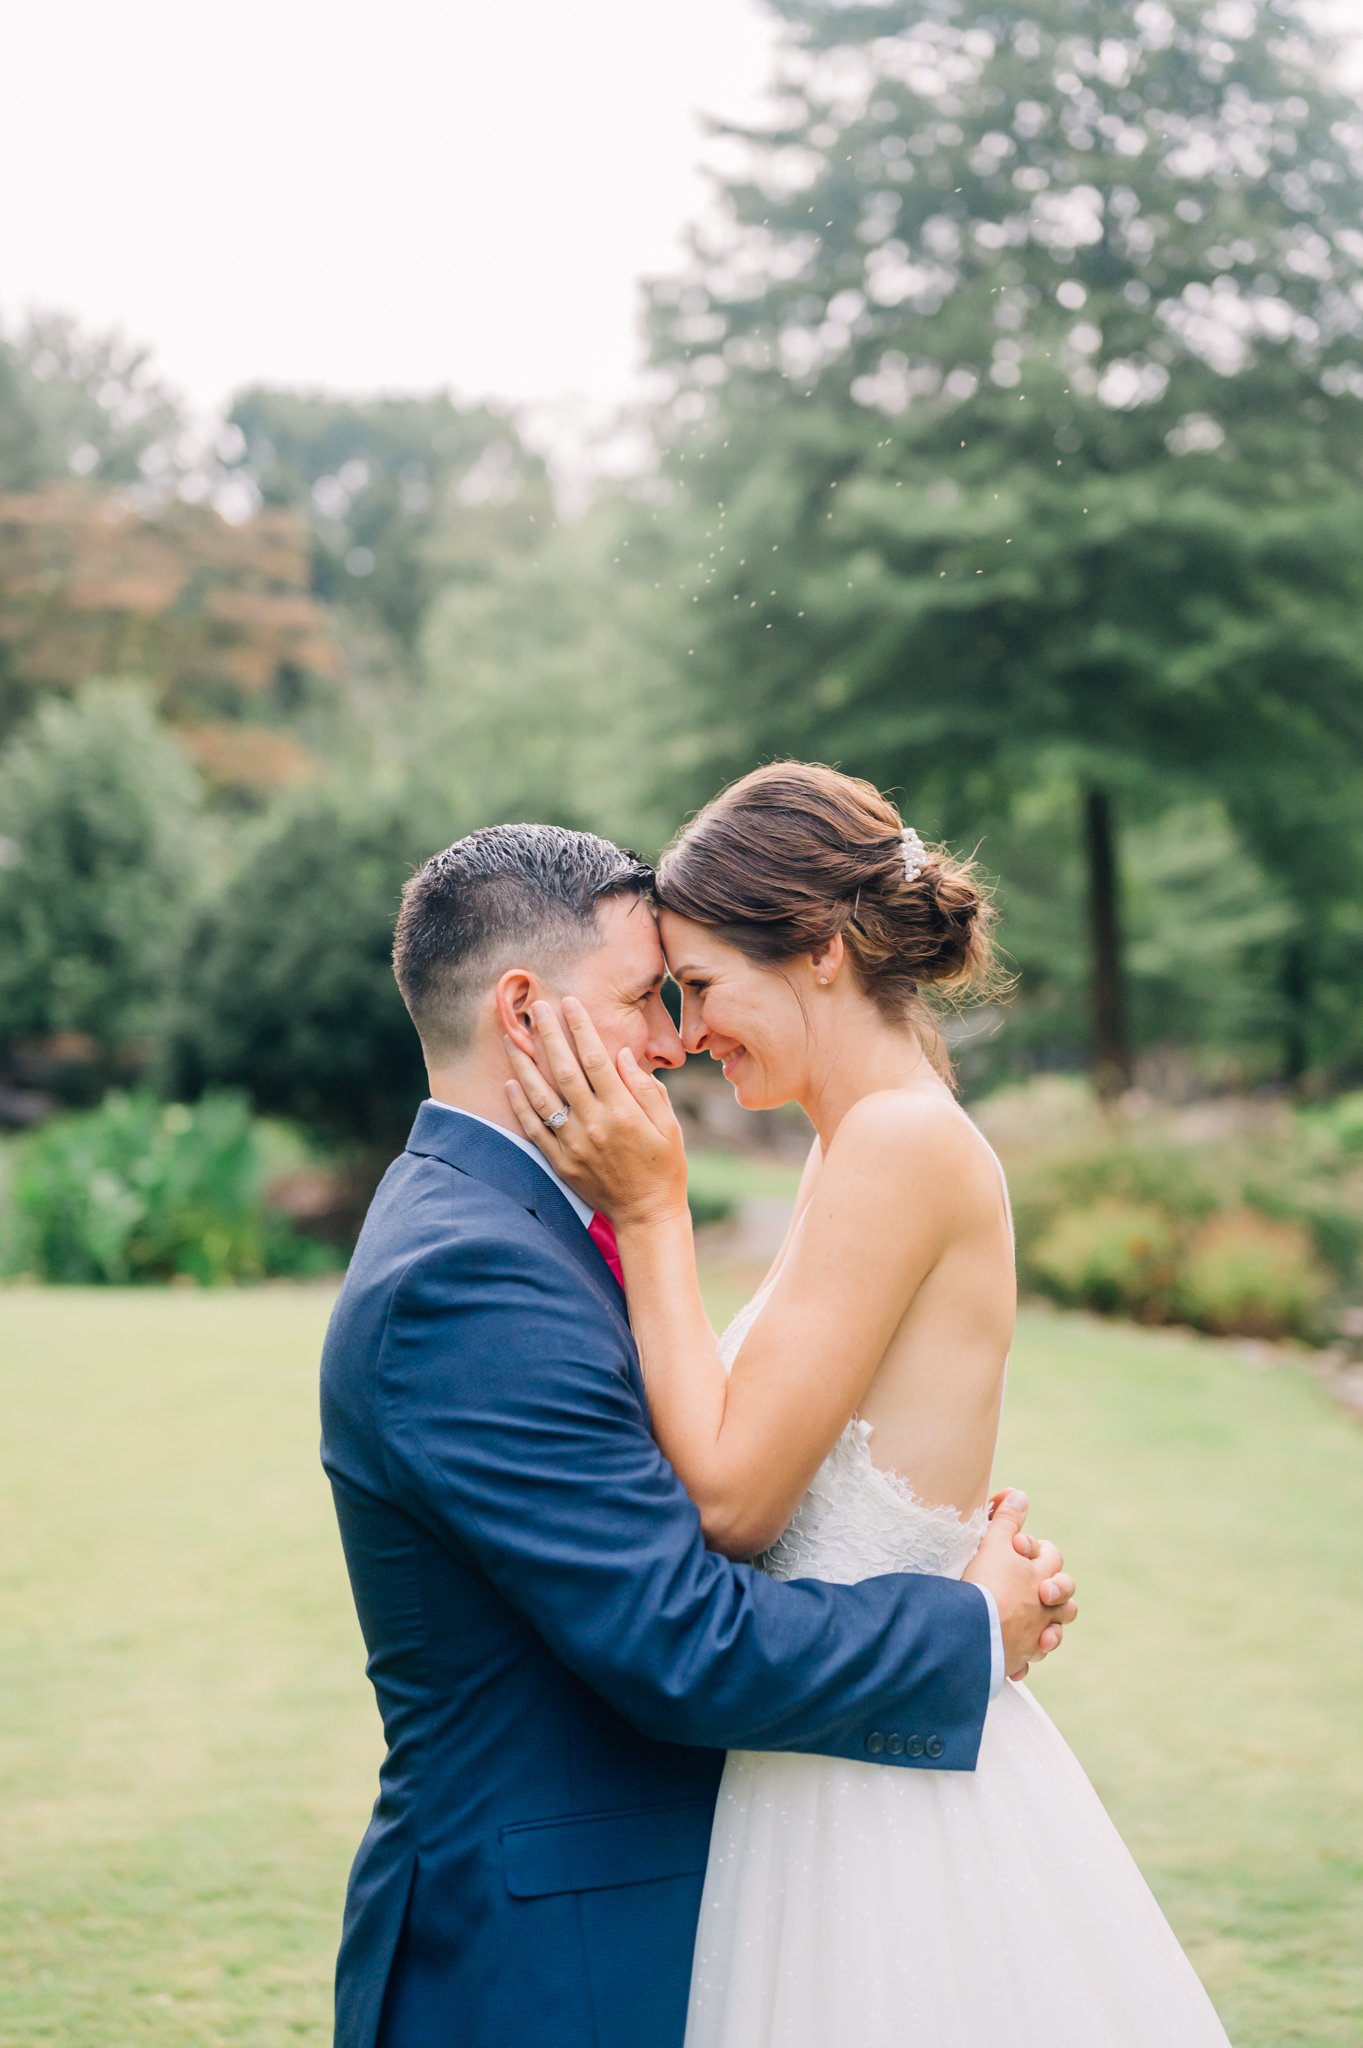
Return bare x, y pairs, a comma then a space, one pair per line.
844, 1425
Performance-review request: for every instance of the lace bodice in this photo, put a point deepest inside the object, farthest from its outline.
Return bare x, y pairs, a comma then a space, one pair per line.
857, 1521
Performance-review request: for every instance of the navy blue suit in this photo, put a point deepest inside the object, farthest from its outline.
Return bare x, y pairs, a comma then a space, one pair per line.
559, 1661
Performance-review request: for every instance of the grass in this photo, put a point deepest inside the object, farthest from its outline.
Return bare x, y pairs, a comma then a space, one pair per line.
187, 1759
720, 1182
188, 1746
743, 1176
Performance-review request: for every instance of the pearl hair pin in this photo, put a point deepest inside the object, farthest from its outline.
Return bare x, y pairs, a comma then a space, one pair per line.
915, 854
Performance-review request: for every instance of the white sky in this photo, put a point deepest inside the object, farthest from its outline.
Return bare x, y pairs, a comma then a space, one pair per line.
361, 198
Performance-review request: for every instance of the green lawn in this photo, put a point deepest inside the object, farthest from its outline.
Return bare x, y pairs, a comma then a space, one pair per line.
187, 1746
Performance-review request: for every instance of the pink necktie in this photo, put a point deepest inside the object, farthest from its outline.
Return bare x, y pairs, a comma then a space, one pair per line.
601, 1231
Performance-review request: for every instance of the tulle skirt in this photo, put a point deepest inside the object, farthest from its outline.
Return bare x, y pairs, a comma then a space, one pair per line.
856, 1904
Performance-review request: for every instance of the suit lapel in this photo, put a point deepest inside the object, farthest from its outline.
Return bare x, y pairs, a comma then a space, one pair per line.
471, 1147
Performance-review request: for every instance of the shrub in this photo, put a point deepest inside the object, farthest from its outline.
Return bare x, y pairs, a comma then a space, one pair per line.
99, 863
710, 1188
1117, 1257
1235, 1216
1341, 1119
138, 1190
289, 993
1246, 1274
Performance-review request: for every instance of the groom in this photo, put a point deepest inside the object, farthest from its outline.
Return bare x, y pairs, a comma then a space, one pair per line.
559, 1662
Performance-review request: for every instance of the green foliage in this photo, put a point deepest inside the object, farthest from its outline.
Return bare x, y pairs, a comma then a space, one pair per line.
1117, 1257
140, 1191
719, 1183
383, 483
1016, 432
1238, 1274
289, 993
1245, 1273
710, 1188
709, 1205
1231, 1216
99, 866
1341, 1120
20, 460
213, 615
87, 405
543, 682
1205, 921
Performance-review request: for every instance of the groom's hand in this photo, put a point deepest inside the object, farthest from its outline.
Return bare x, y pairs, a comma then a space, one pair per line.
1033, 1593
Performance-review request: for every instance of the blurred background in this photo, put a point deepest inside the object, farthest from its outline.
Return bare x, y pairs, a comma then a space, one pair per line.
411, 423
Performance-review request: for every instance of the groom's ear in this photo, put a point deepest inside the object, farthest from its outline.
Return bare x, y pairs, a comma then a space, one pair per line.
513, 995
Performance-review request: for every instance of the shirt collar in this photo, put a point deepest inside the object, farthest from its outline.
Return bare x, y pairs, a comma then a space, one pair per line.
582, 1210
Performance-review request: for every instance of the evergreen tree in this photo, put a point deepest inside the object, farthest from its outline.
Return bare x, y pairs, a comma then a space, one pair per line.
1025, 367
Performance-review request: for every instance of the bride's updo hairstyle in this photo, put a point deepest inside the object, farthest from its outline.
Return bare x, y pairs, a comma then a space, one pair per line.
793, 853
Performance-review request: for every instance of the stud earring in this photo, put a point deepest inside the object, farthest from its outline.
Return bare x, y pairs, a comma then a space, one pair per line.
823, 981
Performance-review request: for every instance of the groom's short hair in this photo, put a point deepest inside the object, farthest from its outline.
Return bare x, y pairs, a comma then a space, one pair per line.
506, 896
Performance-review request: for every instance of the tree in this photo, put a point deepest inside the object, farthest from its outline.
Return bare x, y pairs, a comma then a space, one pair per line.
74, 404
99, 867
1205, 920
381, 483
112, 561
1026, 367
20, 440
543, 678
288, 989
215, 616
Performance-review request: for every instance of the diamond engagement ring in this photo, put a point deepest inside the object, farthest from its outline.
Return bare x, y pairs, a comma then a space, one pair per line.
559, 1117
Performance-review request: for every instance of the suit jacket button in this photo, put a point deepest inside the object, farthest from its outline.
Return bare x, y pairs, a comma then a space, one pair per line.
875, 1742
935, 1746
894, 1745
914, 1745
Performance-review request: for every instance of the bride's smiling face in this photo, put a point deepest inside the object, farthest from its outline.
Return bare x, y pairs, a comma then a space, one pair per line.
747, 1016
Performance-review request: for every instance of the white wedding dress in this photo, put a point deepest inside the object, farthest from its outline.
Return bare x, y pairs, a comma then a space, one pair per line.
881, 1907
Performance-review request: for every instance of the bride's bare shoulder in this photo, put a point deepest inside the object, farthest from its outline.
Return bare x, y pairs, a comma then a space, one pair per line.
910, 1140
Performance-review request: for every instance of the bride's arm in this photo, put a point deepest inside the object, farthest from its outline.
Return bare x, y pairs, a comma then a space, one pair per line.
746, 1445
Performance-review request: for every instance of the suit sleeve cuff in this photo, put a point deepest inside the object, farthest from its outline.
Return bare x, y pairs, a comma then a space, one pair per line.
996, 1670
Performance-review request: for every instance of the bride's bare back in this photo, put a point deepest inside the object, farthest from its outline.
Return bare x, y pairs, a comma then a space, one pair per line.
934, 1398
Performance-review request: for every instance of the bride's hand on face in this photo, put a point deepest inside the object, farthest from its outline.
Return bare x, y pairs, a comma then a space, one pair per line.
621, 1147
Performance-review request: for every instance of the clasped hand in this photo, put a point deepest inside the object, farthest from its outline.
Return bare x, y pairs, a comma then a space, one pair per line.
1034, 1595
621, 1147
